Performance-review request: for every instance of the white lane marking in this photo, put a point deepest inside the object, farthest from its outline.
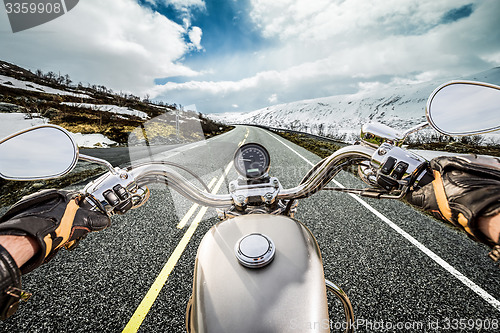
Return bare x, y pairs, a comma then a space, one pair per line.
302, 157
452, 270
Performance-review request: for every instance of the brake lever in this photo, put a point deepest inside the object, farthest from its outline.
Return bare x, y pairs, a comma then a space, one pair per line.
369, 192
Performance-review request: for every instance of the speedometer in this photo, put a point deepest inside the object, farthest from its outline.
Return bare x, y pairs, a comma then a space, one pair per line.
252, 160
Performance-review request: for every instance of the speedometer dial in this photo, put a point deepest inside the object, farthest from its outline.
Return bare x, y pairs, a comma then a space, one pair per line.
252, 160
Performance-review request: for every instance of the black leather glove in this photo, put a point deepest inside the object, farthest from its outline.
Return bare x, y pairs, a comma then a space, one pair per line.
54, 219
464, 188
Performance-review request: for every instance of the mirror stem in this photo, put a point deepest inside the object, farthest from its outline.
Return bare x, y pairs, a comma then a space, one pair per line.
414, 129
99, 161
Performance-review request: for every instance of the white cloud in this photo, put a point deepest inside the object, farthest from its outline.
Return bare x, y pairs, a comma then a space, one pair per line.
492, 58
115, 42
195, 34
179, 4
314, 48
326, 47
322, 19
186, 8
273, 98
220, 87
191, 107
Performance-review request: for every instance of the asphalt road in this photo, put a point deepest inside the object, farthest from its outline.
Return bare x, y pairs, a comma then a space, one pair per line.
436, 280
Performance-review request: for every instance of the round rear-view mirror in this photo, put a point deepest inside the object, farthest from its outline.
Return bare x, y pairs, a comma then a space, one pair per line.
40, 152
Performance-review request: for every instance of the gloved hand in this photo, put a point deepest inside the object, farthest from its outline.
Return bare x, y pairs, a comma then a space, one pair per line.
464, 188
54, 218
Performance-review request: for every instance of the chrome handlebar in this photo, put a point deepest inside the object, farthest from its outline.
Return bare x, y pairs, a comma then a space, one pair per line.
323, 172
134, 180
157, 173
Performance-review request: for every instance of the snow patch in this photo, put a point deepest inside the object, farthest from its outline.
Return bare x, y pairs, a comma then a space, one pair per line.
110, 108
11, 123
14, 122
27, 85
92, 140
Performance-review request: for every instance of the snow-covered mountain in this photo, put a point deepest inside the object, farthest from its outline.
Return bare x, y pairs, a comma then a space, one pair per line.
342, 116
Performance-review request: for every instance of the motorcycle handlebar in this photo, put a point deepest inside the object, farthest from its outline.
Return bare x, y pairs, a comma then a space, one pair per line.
323, 172
157, 173
319, 176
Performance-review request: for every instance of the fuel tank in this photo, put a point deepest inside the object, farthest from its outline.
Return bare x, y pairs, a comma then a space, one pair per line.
287, 294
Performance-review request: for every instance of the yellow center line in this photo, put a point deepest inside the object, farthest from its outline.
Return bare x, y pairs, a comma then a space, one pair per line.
212, 182
226, 171
147, 302
193, 208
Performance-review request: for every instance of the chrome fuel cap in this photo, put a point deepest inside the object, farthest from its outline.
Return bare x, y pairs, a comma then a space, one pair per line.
254, 250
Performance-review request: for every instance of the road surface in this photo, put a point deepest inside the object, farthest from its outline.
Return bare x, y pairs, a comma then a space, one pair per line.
402, 270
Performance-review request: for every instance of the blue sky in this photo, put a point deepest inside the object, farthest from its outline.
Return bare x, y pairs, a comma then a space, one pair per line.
242, 55
227, 29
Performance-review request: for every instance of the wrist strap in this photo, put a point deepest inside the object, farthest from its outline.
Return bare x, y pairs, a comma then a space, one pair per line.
10, 285
495, 252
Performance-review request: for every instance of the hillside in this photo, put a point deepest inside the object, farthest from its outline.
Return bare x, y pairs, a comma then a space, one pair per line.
341, 117
97, 117
28, 99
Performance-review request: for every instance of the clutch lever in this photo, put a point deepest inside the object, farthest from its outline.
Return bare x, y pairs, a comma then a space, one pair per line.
115, 193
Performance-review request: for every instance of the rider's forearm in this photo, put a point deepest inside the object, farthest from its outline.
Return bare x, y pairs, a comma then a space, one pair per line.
20, 248
490, 226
